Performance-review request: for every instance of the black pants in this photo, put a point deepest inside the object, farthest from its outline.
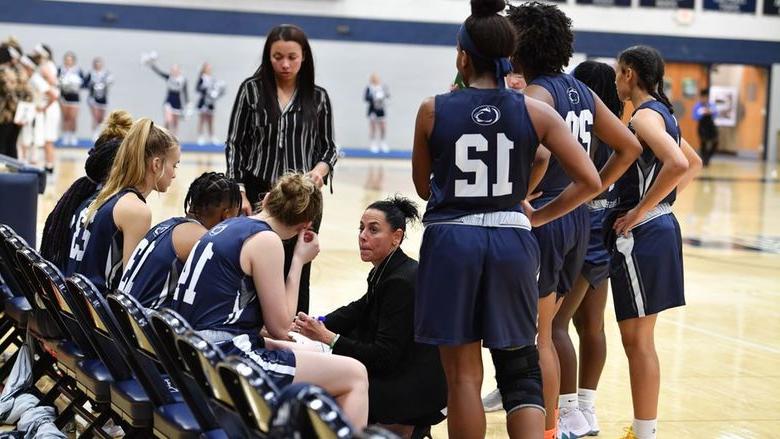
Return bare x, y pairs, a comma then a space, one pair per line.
255, 191
708, 149
9, 132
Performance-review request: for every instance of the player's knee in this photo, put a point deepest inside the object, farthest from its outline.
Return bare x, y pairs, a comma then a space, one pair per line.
519, 377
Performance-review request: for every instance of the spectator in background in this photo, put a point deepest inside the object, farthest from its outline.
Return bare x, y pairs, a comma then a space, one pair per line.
209, 90
705, 112
377, 96
48, 130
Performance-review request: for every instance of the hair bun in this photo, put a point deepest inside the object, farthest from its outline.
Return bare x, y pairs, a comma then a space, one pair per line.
407, 207
486, 8
118, 124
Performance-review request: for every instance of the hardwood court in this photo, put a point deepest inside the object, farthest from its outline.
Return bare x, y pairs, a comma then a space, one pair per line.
720, 355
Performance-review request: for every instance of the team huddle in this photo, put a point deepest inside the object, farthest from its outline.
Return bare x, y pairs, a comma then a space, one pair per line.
534, 201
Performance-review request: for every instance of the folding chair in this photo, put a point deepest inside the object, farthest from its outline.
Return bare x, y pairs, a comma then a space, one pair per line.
147, 345
308, 411
251, 390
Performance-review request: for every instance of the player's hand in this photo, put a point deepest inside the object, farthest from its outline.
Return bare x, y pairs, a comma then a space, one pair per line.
246, 206
308, 246
625, 223
529, 211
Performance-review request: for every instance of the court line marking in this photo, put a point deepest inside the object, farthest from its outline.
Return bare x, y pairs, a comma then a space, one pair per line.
735, 340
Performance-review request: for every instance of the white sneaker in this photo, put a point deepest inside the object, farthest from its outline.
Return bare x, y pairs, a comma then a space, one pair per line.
201, 141
384, 147
374, 147
590, 416
492, 402
573, 421
216, 141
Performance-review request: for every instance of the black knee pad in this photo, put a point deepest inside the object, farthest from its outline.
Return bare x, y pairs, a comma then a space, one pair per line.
519, 377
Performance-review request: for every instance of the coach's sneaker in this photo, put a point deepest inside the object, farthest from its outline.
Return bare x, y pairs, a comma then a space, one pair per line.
573, 422
629, 434
590, 416
492, 402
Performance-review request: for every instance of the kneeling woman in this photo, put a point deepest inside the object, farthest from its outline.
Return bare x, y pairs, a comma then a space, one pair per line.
407, 386
152, 274
233, 285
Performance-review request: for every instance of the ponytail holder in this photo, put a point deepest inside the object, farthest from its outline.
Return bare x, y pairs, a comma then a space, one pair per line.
503, 66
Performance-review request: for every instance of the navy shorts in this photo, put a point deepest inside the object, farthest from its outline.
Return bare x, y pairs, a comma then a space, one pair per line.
376, 113
71, 99
646, 271
563, 244
477, 283
173, 103
279, 364
595, 268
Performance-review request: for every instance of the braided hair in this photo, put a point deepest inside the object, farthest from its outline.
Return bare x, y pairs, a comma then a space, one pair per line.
648, 64
211, 190
55, 244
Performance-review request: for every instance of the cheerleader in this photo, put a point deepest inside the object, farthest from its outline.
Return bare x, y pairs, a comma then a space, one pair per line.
176, 97
210, 90
71, 79
97, 82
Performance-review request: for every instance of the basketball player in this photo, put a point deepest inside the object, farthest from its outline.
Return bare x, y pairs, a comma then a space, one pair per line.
587, 299
153, 272
117, 219
646, 271
233, 285
544, 47
472, 157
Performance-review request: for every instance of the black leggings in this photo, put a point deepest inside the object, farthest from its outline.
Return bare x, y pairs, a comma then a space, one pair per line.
255, 191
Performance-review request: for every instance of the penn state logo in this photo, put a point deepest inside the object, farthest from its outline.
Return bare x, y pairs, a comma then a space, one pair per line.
485, 115
216, 230
574, 96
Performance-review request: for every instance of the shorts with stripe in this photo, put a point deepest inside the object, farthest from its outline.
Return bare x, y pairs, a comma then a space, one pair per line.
595, 267
646, 270
477, 282
279, 364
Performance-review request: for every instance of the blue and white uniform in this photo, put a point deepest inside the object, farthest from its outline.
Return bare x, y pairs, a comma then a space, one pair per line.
176, 96
220, 301
96, 248
478, 259
564, 241
376, 96
646, 270
152, 274
98, 81
210, 90
595, 267
71, 81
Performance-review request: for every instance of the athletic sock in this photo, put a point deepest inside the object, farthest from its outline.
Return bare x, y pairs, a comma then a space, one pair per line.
549, 434
645, 429
587, 398
568, 401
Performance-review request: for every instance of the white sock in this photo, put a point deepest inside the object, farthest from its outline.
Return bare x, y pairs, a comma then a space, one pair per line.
567, 401
587, 398
645, 429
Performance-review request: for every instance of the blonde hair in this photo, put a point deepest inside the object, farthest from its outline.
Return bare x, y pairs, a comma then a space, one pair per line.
117, 126
294, 199
143, 142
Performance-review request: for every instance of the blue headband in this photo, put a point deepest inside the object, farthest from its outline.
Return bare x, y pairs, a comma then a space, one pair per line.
503, 66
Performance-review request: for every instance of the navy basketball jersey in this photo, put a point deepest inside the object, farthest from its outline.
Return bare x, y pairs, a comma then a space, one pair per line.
574, 102
634, 184
96, 248
600, 152
482, 147
152, 274
214, 292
